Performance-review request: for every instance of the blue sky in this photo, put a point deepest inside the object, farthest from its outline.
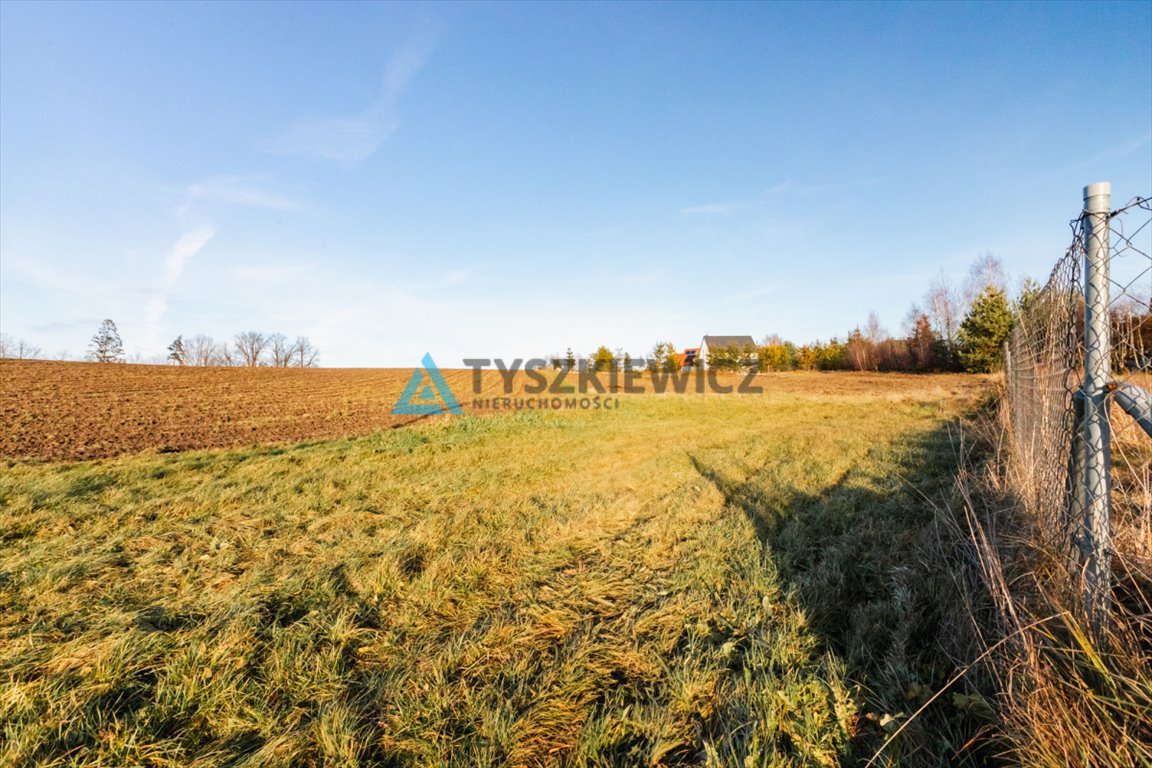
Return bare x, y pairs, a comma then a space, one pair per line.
509, 180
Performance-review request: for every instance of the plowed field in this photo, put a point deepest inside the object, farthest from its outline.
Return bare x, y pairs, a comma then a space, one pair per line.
54, 410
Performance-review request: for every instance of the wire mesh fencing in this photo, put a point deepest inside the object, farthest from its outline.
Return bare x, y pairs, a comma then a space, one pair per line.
1130, 314
1078, 367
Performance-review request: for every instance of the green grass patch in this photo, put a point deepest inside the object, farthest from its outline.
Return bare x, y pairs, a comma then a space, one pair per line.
683, 581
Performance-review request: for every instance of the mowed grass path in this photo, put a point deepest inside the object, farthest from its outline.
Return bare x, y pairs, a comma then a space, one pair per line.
687, 580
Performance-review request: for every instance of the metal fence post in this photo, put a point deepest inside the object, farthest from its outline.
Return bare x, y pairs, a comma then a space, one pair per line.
1096, 539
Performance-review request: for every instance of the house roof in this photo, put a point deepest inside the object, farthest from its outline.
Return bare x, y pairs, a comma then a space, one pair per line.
717, 342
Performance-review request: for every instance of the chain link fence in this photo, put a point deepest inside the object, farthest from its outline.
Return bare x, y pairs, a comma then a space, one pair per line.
1078, 368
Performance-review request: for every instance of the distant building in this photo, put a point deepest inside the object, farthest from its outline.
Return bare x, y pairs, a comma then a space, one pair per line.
711, 343
688, 357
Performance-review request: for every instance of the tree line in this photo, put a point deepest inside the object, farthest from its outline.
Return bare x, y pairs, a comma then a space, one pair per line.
950, 329
18, 349
250, 349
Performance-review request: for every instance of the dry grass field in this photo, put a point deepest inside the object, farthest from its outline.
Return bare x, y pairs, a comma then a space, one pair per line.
722, 580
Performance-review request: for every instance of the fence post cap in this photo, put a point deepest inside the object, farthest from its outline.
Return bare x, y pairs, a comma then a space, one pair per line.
1098, 188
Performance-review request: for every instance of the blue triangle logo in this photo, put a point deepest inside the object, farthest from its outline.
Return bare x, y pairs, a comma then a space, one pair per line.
427, 393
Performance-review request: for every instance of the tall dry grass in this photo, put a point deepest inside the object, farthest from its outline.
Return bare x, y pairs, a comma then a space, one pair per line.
1066, 696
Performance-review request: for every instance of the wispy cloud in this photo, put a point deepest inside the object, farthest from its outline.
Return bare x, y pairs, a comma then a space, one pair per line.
717, 209
249, 191
186, 246
57, 279
352, 138
61, 325
1110, 154
728, 208
237, 190
347, 140
458, 276
647, 278
761, 291
269, 274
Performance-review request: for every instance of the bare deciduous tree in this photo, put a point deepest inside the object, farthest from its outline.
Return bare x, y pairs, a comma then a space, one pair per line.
942, 305
249, 347
873, 331
201, 350
281, 350
18, 348
860, 352
911, 318
986, 272
304, 355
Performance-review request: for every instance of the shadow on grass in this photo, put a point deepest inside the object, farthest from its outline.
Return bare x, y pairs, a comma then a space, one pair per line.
862, 558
